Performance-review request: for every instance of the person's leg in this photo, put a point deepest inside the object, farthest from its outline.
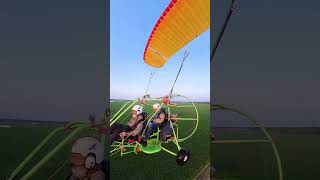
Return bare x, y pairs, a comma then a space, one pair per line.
115, 135
116, 129
165, 131
115, 126
152, 127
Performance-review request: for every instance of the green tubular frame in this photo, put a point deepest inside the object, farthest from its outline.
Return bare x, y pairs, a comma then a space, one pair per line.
188, 119
123, 144
74, 127
129, 104
216, 107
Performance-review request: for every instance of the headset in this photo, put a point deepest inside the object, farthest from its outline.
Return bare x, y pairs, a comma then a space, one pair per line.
90, 161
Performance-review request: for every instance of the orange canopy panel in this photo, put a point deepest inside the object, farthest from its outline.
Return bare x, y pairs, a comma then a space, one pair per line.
180, 23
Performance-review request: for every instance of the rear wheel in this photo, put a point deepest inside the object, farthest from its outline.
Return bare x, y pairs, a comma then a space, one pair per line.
182, 157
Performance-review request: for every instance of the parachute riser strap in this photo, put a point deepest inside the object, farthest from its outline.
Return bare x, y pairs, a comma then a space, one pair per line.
157, 52
151, 76
227, 18
186, 53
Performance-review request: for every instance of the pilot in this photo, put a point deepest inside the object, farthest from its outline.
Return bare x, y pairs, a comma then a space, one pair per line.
88, 160
133, 128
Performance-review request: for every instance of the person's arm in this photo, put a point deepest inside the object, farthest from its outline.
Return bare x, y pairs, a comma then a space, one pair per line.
137, 130
160, 119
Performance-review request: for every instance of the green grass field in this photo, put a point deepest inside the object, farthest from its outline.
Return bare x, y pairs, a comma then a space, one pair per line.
299, 153
22, 137
17, 142
162, 165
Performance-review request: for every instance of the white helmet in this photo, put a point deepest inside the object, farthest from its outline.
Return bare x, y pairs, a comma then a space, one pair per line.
138, 109
90, 149
156, 106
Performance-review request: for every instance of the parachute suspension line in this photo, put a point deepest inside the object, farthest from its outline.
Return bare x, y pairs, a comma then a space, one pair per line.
226, 20
186, 53
151, 76
157, 52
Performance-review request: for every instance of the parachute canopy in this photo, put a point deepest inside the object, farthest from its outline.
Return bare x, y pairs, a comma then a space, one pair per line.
181, 22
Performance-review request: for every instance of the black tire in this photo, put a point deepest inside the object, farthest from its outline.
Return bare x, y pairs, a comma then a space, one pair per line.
182, 157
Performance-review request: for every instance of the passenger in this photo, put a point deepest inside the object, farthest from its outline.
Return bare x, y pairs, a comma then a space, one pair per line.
160, 120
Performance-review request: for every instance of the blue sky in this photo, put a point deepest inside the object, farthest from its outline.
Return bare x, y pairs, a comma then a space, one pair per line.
131, 23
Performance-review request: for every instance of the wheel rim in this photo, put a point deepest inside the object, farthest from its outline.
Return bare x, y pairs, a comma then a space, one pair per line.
185, 158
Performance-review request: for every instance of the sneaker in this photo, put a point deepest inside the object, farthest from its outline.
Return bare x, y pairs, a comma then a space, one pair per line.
171, 138
144, 143
167, 139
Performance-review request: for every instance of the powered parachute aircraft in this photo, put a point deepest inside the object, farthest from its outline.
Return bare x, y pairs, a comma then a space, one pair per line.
180, 23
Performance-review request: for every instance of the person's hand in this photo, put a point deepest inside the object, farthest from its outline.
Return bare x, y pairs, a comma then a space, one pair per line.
173, 118
173, 115
123, 134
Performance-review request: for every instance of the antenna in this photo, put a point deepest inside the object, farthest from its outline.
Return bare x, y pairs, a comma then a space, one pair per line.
151, 76
224, 25
186, 53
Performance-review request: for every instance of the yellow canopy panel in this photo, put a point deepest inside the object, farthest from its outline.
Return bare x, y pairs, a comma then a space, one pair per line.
181, 22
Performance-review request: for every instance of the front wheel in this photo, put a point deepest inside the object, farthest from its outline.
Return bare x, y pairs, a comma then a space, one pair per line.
182, 157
